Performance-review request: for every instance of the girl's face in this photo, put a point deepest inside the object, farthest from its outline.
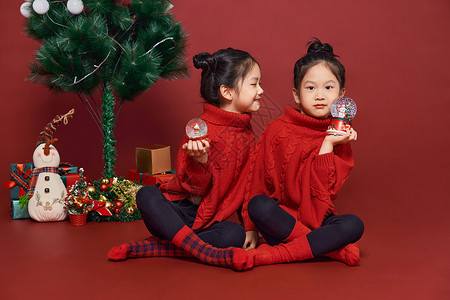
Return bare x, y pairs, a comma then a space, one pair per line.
245, 98
318, 89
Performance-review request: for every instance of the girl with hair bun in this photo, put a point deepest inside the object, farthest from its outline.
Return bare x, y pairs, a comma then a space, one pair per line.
298, 171
187, 216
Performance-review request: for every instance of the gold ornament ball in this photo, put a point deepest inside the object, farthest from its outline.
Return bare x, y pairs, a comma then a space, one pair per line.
105, 180
130, 210
90, 189
103, 187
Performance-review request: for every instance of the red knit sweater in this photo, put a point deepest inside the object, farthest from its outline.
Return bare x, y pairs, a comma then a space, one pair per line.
219, 183
287, 167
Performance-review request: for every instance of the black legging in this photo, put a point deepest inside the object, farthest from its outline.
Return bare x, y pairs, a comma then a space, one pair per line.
275, 225
164, 218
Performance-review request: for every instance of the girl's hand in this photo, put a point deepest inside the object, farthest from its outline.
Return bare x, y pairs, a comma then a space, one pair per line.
251, 238
332, 140
198, 149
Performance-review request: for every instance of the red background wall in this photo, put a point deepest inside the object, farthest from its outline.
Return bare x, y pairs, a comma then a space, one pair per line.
396, 56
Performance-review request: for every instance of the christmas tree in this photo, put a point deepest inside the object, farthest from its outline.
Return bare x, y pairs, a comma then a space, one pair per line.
118, 47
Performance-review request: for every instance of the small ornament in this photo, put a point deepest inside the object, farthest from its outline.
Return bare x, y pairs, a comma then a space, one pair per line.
91, 189
105, 180
102, 198
103, 187
196, 129
41, 6
118, 203
25, 9
75, 6
108, 205
130, 210
343, 111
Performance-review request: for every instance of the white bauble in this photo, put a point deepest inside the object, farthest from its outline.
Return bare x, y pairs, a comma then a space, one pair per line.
25, 9
41, 6
75, 6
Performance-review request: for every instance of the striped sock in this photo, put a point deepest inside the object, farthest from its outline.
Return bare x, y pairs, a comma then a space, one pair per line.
149, 247
230, 257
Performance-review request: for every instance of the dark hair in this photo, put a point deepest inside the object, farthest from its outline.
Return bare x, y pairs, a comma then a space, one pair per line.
319, 53
224, 67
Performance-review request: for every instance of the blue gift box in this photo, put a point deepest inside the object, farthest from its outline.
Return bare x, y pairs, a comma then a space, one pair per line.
17, 212
20, 178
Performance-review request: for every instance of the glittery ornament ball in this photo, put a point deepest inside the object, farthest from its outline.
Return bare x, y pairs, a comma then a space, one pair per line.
103, 187
105, 180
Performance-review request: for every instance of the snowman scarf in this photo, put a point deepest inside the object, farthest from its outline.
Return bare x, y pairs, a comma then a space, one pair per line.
34, 177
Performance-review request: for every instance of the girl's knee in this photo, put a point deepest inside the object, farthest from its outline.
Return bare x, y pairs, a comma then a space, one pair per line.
354, 227
259, 207
146, 195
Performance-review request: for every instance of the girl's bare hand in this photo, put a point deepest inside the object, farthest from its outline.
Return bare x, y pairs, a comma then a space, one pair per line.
198, 149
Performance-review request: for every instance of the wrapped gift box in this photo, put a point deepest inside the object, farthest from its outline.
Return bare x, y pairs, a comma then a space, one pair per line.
20, 179
153, 159
17, 212
150, 179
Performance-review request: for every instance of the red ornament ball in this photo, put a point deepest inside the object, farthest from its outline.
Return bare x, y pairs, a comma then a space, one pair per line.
118, 203
103, 187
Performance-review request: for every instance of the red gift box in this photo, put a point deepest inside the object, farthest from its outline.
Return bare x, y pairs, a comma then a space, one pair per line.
150, 179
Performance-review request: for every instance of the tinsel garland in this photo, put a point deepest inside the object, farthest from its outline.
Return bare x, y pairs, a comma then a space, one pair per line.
108, 120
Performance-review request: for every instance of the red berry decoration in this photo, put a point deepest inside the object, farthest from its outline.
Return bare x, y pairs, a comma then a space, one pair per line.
103, 187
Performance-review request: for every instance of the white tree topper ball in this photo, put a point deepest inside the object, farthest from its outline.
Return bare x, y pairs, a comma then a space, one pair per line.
75, 6
25, 9
343, 108
196, 129
41, 6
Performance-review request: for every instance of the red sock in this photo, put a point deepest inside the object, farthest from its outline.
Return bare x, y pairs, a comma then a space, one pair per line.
348, 254
231, 257
146, 248
298, 231
296, 250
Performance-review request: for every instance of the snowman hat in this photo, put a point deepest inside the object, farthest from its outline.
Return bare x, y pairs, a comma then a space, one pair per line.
46, 135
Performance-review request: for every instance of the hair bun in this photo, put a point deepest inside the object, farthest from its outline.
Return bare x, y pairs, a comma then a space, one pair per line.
318, 46
204, 61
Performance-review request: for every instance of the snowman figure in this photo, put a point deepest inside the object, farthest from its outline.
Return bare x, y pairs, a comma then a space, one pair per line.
47, 191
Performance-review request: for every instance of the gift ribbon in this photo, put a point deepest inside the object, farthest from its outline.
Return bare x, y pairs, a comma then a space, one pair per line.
100, 208
19, 177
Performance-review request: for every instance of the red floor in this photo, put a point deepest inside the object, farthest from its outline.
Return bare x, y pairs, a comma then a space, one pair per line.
60, 261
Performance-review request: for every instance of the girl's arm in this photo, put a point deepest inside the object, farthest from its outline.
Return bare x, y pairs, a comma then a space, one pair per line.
333, 164
193, 171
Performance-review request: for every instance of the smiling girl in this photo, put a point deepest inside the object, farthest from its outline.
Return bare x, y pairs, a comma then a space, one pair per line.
187, 216
299, 170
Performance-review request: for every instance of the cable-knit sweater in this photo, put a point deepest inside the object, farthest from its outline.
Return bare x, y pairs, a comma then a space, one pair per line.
288, 168
219, 183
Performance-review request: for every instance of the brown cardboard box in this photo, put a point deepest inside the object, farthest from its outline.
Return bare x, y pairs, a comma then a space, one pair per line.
153, 159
